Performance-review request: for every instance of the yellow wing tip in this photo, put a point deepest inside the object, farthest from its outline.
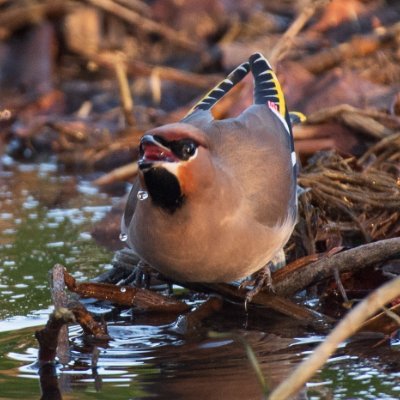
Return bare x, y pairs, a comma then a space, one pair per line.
296, 117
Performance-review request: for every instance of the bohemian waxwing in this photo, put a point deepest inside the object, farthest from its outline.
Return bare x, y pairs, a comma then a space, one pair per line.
215, 200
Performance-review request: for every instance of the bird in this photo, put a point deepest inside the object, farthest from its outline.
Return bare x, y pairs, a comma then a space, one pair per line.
215, 200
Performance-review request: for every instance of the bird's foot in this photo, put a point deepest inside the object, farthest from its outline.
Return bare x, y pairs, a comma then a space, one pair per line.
262, 280
140, 276
125, 258
123, 262
136, 272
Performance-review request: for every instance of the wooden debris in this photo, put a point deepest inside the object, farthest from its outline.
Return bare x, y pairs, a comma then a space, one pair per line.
358, 46
286, 41
23, 14
145, 24
301, 263
349, 260
365, 121
338, 12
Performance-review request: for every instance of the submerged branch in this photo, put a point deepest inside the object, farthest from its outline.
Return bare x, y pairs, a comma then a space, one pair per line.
125, 296
269, 300
48, 336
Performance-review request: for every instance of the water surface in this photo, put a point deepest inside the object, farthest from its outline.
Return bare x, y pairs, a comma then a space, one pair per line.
46, 218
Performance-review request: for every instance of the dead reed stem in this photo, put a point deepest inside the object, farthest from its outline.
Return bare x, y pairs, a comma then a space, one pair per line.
347, 327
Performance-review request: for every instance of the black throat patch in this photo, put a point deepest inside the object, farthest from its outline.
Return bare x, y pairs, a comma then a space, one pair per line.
164, 189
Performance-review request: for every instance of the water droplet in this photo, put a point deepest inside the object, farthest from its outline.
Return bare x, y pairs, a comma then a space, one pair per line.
123, 289
142, 195
123, 237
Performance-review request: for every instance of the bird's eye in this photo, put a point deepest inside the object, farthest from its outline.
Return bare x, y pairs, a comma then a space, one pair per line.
188, 149
184, 148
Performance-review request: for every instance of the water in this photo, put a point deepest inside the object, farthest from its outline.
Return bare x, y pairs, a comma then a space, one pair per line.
43, 222
123, 237
46, 218
142, 195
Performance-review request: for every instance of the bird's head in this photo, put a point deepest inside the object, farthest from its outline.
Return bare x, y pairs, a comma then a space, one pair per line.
174, 164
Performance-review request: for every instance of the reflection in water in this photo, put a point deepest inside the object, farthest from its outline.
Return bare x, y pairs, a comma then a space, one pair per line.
45, 219
145, 358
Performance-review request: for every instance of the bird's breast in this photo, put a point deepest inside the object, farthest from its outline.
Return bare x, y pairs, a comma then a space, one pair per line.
204, 246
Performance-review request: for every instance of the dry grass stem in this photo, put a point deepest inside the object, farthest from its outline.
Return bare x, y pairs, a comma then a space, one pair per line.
124, 91
123, 173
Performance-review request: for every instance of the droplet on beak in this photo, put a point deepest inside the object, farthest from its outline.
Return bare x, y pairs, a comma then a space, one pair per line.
123, 237
142, 195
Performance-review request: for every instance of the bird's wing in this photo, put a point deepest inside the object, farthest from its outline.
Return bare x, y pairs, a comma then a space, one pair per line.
254, 149
257, 148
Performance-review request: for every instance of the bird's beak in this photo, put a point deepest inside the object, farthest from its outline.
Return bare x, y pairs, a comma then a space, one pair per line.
153, 151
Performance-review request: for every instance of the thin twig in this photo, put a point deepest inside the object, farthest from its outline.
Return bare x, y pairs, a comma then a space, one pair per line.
137, 67
392, 140
286, 40
87, 322
146, 24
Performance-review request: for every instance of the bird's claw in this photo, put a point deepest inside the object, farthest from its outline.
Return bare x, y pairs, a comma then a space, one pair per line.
263, 280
